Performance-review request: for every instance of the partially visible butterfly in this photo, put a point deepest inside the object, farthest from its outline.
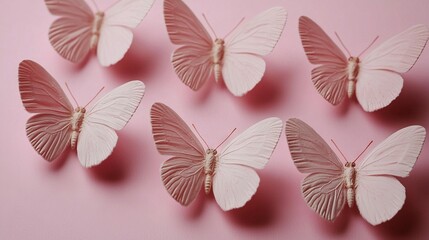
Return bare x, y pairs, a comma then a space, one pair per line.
57, 124
372, 185
375, 79
231, 172
238, 61
79, 30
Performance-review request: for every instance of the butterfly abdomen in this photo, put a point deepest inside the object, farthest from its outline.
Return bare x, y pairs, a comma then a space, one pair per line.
209, 168
350, 175
96, 26
76, 125
353, 71
218, 51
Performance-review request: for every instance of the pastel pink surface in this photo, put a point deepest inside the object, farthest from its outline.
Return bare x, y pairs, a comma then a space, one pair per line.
124, 197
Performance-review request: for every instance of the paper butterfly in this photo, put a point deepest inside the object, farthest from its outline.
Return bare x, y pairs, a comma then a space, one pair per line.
375, 79
238, 61
230, 171
57, 124
79, 30
372, 185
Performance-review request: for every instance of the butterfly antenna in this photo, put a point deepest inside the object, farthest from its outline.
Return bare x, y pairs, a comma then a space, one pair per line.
204, 16
236, 26
342, 44
373, 41
226, 138
67, 86
200, 136
339, 150
363, 151
94, 97
96, 6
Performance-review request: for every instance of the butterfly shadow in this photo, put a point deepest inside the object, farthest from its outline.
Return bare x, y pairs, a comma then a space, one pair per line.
119, 165
270, 90
412, 220
264, 208
59, 163
340, 225
410, 106
139, 61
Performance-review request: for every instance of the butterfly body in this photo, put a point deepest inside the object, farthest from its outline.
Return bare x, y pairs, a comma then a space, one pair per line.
96, 26
210, 161
349, 180
76, 125
218, 52
352, 74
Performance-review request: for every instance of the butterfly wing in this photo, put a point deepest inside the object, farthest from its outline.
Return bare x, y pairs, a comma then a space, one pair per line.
379, 81
49, 130
234, 180
192, 61
97, 137
323, 188
379, 195
182, 174
70, 35
330, 77
116, 33
242, 66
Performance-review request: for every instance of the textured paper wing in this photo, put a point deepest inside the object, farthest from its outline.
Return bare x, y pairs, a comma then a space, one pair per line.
112, 112
115, 33
323, 189
259, 35
40, 92
241, 72
234, 181
376, 89
183, 27
396, 155
183, 178
172, 136
400, 52
95, 143
378, 198
329, 78
318, 47
325, 194
242, 68
117, 107
310, 153
234, 185
70, 35
49, 134
191, 62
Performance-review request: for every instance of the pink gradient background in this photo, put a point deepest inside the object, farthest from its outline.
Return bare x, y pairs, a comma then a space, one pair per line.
124, 198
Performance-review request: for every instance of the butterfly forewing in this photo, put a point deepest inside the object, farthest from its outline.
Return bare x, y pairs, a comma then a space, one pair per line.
235, 181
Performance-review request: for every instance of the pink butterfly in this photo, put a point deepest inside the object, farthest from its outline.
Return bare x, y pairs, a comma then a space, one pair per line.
375, 78
57, 125
238, 61
330, 184
78, 30
230, 171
